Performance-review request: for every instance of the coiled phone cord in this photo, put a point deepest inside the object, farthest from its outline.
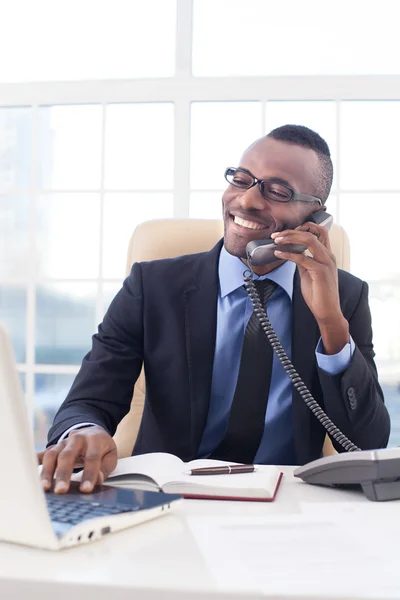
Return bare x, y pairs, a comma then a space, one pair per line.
297, 382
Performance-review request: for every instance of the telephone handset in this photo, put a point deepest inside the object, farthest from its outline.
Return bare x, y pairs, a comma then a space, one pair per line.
378, 472
261, 252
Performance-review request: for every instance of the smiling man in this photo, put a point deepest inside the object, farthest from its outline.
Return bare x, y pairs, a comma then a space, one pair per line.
214, 387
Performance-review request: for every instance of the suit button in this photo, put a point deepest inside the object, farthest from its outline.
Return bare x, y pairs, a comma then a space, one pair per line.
351, 394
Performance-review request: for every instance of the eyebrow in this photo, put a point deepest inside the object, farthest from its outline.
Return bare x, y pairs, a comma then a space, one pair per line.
279, 180
275, 179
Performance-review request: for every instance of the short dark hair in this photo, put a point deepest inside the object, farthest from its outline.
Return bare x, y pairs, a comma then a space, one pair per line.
303, 136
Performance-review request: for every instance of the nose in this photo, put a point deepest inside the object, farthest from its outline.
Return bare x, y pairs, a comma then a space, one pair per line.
252, 200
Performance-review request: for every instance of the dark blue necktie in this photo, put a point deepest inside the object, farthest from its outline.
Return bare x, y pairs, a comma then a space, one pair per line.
247, 415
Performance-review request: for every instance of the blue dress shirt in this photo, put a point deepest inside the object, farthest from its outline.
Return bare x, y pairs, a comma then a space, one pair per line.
233, 312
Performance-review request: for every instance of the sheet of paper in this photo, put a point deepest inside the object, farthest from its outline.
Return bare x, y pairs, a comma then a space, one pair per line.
375, 512
301, 555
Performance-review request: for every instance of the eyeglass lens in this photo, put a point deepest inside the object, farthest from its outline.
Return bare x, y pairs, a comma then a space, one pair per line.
269, 189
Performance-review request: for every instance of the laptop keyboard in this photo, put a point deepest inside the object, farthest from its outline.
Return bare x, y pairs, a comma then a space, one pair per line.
75, 511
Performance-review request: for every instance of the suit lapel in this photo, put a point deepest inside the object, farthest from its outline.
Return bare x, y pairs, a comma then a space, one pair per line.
200, 329
305, 334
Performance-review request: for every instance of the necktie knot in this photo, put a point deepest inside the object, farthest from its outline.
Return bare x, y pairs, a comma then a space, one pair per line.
265, 288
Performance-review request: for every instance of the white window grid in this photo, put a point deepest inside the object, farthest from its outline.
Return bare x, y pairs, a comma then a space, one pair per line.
182, 90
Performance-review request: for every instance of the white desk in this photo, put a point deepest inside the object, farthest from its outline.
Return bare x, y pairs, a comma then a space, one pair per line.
310, 543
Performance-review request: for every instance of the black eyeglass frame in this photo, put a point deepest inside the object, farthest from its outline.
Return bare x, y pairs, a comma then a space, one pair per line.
260, 182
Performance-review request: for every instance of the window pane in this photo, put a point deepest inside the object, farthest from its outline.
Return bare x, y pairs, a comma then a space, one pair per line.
319, 116
13, 315
265, 37
384, 300
14, 237
70, 147
50, 392
220, 133
206, 205
68, 229
369, 155
87, 39
65, 322
15, 146
358, 215
22, 378
392, 401
140, 146
122, 214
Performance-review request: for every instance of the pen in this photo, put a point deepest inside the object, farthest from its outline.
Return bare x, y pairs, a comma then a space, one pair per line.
223, 470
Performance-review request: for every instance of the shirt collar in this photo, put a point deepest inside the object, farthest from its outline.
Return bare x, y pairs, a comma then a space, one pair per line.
230, 273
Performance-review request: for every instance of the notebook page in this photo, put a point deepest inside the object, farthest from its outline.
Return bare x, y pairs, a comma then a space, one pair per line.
160, 466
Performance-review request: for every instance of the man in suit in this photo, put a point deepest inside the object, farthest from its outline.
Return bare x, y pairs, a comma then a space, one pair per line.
187, 319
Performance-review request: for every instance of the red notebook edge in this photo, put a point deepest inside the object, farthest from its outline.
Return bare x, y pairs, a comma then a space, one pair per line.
237, 498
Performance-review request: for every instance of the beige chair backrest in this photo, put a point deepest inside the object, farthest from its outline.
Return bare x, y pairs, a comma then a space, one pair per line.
167, 238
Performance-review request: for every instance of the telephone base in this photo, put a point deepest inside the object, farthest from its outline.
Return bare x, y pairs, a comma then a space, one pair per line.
376, 471
380, 491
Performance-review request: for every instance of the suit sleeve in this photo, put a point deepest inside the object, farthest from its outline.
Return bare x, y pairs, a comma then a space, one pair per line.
353, 399
102, 391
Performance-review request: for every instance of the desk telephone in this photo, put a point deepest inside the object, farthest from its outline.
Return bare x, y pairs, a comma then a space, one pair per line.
376, 471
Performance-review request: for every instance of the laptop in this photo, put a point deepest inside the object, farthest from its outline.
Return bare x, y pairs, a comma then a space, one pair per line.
32, 517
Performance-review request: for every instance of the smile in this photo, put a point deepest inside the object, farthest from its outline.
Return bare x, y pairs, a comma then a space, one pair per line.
248, 224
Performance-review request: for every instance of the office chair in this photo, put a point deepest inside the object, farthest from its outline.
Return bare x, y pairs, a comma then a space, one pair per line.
167, 238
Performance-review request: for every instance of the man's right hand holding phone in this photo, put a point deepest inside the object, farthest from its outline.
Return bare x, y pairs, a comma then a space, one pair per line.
91, 448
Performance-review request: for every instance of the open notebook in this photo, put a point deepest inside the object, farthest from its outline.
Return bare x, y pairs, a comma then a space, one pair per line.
166, 472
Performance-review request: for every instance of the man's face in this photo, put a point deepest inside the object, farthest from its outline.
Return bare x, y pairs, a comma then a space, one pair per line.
247, 215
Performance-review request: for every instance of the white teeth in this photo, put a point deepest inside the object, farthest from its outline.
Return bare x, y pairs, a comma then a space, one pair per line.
248, 224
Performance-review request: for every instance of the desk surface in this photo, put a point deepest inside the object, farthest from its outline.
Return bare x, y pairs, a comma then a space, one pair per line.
310, 543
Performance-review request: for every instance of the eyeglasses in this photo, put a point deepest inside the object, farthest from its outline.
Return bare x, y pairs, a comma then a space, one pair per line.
269, 189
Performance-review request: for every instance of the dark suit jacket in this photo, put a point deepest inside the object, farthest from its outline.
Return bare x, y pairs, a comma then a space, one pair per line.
165, 315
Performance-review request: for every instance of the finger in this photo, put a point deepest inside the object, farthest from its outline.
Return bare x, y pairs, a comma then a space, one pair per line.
100, 478
307, 262
109, 461
108, 464
91, 471
101, 458
320, 232
75, 447
49, 463
40, 455
304, 238
319, 252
